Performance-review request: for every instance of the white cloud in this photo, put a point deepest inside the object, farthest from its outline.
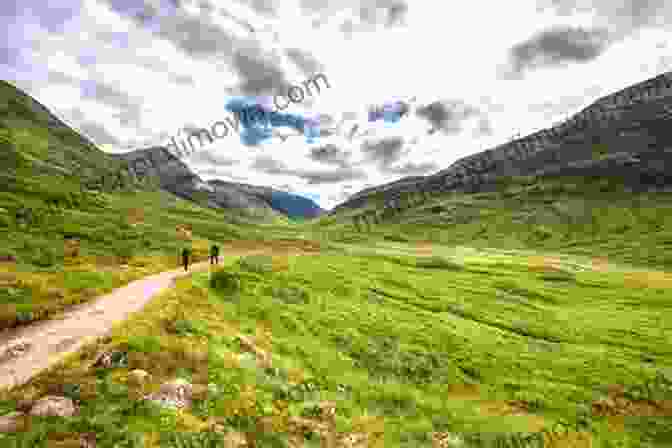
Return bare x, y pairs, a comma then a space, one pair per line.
442, 52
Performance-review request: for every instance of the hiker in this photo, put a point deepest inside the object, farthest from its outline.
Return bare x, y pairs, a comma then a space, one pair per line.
214, 254
185, 258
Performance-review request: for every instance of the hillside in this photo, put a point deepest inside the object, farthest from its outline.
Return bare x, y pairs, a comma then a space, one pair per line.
174, 176
521, 300
623, 135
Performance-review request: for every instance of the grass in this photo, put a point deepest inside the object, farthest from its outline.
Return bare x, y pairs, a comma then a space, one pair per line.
482, 316
416, 349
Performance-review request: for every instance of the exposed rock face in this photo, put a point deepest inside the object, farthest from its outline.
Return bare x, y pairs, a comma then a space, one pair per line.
280, 201
625, 135
171, 174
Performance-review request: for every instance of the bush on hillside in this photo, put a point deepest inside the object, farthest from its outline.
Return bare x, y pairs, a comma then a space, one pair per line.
226, 282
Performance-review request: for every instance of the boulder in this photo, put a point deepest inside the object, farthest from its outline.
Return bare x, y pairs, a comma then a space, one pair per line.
14, 349
11, 422
176, 394
53, 405
138, 376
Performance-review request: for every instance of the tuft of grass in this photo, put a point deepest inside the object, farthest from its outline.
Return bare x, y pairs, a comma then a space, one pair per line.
436, 262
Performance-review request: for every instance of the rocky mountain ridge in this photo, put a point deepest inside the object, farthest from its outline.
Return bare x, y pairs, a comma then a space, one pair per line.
174, 176
624, 134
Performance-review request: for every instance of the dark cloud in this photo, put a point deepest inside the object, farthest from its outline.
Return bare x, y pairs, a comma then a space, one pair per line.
330, 154
259, 75
269, 165
446, 116
200, 38
396, 14
558, 45
625, 15
391, 11
98, 134
385, 152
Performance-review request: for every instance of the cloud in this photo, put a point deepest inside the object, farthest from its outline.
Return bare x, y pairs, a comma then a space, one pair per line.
390, 12
385, 151
305, 61
414, 169
98, 134
267, 8
484, 128
130, 109
625, 15
271, 166
330, 154
260, 76
555, 46
447, 116
211, 158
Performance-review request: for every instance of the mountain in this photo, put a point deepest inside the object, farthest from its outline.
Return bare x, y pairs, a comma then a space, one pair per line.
291, 205
36, 144
623, 136
174, 176
42, 155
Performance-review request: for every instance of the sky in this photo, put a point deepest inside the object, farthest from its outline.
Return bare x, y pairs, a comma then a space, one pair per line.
131, 74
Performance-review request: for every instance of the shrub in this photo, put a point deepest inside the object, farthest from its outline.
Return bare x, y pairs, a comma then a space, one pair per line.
226, 282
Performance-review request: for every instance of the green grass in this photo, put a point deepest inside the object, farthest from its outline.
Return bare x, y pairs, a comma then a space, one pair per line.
448, 316
385, 336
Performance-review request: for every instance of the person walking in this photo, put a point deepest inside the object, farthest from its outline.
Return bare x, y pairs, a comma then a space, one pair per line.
214, 254
185, 258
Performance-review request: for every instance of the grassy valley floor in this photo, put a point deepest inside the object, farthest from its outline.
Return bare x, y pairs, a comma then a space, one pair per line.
463, 345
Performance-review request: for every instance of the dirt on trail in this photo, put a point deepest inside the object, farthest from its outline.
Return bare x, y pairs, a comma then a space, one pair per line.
31, 349
38, 346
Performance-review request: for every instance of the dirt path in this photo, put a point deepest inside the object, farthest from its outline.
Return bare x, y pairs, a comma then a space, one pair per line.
50, 340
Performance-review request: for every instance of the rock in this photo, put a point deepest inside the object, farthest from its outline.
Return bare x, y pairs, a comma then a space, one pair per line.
263, 358
53, 405
11, 422
177, 394
55, 293
138, 376
328, 410
235, 439
112, 359
25, 405
87, 440
446, 440
352, 440
14, 349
